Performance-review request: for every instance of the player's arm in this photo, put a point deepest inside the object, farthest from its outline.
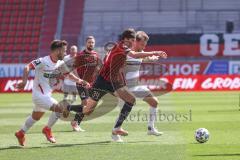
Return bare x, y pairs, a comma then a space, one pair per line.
152, 58
115, 68
26, 72
98, 67
134, 54
74, 78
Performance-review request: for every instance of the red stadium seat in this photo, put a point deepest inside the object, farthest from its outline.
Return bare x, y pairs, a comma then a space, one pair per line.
28, 40
6, 20
35, 47
4, 33
19, 47
20, 24
28, 33
18, 40
12, 33
35, 40
11, 40
2, 47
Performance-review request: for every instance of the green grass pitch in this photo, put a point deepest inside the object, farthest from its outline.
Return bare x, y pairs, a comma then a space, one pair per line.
216, 111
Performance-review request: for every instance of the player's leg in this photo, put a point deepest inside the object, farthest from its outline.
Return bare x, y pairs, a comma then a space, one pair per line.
73, 92
74, 97
79, 116
30, 121
47, 130
51, 104
98, 90
65, 91
146, 95
83, 94
65, 95
129, 101
153, 103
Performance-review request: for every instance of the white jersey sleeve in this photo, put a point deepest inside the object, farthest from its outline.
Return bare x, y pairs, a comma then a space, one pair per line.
37, 63
67, 81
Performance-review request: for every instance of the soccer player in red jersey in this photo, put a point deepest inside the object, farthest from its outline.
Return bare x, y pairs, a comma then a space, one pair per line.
87, 73
111, 80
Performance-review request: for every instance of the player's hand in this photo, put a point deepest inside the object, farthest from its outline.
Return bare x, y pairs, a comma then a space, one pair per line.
160, 54
153, 58
83, 83
21, 85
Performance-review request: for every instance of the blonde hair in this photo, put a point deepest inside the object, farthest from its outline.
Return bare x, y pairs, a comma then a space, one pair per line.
142, 36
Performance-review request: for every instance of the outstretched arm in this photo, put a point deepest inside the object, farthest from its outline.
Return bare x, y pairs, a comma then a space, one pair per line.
74, 78
147, 54
26, 72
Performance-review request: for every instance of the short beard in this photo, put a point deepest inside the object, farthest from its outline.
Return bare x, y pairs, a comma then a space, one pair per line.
90, 48
60, 58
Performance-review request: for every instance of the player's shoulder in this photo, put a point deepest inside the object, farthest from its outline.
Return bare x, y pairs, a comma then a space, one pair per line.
38, 60
122, 46
94, 52
36, 63
45, 58
81, 52
67, 57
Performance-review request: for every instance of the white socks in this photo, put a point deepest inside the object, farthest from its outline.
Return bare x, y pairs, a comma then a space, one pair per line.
74, 97
28, 123
152, 116
52, 119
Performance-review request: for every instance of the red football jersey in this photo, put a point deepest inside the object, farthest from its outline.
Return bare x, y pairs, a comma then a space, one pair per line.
89, 72
114, 62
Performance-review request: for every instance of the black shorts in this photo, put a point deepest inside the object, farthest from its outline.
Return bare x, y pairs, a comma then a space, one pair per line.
82, 92
102, 87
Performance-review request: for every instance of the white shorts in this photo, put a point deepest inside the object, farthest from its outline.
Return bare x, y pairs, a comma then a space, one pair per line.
140, 91
70, 89
43, 102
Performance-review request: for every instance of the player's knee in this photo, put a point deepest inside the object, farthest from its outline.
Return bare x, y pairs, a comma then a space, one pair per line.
56, 108
132, 100
153, 102
88, 112
36, 117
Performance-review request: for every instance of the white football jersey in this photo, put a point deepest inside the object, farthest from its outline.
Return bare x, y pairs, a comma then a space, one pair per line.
44, 71
133, 71
67, 81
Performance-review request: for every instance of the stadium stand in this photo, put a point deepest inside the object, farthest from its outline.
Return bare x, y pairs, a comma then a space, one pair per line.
28, 26
49, 25
72, 21
158, 17
20, 25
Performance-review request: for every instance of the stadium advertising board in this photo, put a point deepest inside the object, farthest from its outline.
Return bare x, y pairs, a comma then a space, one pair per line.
192, 83
234, 67
12, 70
156, 83
196, 45
9, 85
185, 68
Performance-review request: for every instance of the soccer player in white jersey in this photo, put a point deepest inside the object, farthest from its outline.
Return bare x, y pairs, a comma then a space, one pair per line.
42, 90
69, 86
132, 80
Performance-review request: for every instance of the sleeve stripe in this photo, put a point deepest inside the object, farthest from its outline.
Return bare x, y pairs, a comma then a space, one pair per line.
31, 65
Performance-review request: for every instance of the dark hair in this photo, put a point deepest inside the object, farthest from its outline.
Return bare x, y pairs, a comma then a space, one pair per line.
141, 36
128, 33
55, 44
89, 37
